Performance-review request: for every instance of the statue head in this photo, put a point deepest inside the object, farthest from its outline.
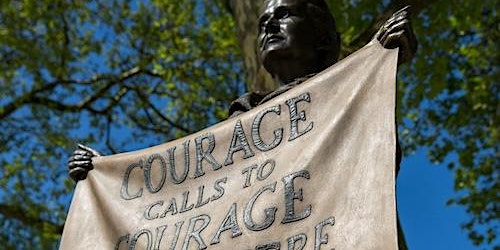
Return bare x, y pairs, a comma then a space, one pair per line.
296, 38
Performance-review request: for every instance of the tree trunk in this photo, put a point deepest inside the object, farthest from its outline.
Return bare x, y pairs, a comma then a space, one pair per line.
246, 15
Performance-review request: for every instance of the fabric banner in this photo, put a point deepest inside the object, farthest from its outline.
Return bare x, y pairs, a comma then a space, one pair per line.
313, 168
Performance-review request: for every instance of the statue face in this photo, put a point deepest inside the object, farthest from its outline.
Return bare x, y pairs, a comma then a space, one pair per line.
286, 32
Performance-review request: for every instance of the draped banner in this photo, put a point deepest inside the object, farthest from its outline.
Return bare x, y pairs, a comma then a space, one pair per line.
313, 168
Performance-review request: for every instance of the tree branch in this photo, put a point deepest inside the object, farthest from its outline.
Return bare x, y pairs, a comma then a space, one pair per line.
108, 135
17, 212
156, 129
32, 97
143, 98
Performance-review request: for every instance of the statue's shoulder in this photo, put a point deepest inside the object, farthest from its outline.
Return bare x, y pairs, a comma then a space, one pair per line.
245, 103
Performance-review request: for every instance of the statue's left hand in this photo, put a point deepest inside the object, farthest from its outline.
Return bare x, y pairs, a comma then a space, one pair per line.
398, 32
80, 162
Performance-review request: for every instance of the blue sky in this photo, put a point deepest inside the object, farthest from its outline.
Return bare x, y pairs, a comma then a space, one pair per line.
422, 191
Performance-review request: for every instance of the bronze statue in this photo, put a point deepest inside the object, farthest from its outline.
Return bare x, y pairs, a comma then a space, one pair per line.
297, 39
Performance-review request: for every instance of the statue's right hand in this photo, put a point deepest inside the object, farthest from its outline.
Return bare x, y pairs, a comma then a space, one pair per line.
80, 162
398, 32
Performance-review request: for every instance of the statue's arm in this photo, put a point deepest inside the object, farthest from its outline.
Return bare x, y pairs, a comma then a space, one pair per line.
398, 32
80, 162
